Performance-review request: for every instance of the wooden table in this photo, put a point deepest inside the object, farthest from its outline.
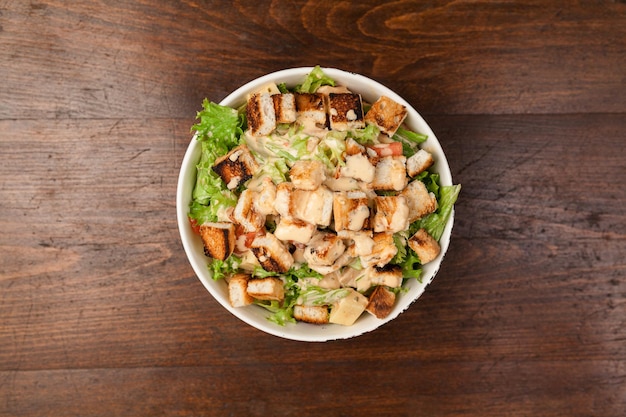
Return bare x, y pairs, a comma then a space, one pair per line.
102, 315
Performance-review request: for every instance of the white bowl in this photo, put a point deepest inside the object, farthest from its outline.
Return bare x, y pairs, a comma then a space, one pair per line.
257, 316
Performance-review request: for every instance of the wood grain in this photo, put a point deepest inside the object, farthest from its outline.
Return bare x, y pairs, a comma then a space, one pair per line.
102, 315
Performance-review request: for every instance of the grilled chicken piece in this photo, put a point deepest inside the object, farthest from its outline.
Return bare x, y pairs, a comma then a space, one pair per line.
384, 251
345, 111
381, 302
271, 253
260, 114
388, 275
236, 167
390, 174
311, 314
387, 115
359, 167
350, 210
294, 230
418, 163
246, 214
284, 107
324, 249
392, 214
425, 246
218, 239
269, 288
313, 206
307, 174
237, 290
420, 201
361, 242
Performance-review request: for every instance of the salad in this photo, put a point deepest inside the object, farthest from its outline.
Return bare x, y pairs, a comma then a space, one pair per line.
314, 204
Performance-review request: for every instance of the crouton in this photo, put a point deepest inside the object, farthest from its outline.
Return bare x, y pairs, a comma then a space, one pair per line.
324, 249
387, 115
345, 111
388, 275
425, 246
418, 163
237, 290
246, 214
307, 174
284, 107
359, 167
390, 174
294, 230
383, 252
350, 210
260, 114
310, 108
348, 309
218, 239
311, 314
270, 288
392, 214
420, 201
271, 253
236, 167
381, 302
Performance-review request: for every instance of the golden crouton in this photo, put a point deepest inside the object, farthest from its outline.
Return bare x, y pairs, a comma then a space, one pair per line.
424, 245
387, 114
284, 108
260, 114
218, 239
311, 314
311, 106
236, 167
418, 163
345, 111
238, 290
381, 302
269, 288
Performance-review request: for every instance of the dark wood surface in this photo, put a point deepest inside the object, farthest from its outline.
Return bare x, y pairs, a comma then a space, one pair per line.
102, 315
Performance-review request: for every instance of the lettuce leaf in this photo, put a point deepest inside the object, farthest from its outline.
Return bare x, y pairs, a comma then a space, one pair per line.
314, 80
219, 130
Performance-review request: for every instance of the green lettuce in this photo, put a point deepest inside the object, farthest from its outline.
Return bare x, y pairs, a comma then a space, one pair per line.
219, 130
314, 80
410, 141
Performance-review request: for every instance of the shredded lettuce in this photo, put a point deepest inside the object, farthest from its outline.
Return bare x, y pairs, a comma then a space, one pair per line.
314, 80
410, 140
366, 135
318, 296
